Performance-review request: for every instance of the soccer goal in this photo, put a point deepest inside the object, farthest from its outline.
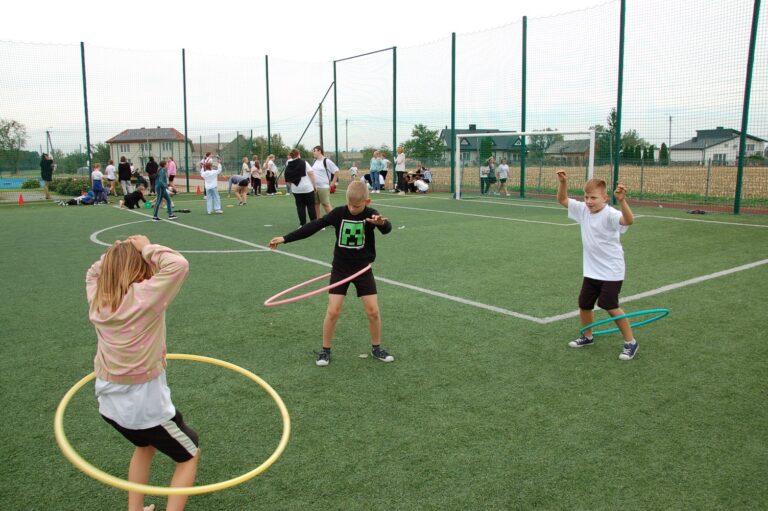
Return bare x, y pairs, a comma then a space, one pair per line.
476, 176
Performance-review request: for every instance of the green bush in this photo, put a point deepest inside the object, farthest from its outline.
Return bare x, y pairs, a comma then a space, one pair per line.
30, 184
72, 186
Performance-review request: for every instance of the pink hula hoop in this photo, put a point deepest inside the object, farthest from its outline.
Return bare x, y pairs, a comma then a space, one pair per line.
270, 302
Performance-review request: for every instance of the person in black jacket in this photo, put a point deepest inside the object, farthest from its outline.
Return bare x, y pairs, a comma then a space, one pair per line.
300, 178
354, 249
152, 168
124, 175
46, 172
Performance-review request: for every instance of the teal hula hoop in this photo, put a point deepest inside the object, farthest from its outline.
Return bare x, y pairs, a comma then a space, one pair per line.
660, 313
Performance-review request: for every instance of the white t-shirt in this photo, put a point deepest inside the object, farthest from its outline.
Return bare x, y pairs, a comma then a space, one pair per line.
503, 171
386, 163
321, 177
421, 185
136, 406
400, 163
96, 175
353, 171
305, 185
111, 172
211, 178
602, 251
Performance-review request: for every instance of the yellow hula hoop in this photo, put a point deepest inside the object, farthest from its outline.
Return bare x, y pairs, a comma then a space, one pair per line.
101, 476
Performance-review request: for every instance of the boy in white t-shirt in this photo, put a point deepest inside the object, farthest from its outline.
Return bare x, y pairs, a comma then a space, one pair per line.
601, 227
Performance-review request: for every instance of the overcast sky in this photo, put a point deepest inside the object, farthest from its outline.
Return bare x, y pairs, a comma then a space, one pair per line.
294, 29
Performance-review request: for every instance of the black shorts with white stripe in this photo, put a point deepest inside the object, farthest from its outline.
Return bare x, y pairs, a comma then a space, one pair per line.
173, 437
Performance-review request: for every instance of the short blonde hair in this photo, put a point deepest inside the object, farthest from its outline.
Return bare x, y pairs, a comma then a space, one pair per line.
596, 184
357, 191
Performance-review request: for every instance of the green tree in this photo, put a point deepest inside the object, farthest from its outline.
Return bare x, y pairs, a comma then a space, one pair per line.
13, 138
425, 144
100, 154
663, 154
486, 148
367, 153
537, 145
648, 156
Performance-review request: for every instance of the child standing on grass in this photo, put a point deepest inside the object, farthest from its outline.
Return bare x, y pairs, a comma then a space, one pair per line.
161, 192
211, 179
355, 248
128, 290
603, 256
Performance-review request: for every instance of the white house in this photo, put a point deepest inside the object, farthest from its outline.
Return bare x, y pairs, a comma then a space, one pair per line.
720, 145
137, 145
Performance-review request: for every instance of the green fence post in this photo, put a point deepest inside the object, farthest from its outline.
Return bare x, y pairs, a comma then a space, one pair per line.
620, 87
522, 109
335, 115
709, 177
269, 129
642, 172
394, 112
186, 134
453, 115
85, 108
745, 109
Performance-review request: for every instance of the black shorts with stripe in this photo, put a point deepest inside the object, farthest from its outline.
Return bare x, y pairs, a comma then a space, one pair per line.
173, 437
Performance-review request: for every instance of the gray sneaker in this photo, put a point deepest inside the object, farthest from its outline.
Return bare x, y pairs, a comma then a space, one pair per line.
382, 355
323, 358
581, 342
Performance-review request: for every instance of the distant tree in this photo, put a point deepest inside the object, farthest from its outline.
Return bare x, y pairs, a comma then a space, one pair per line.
13, 138
663, 154
603, 143
71, 162
648, 156
537, 145
486, 148
100, 154
367, 153
425, 144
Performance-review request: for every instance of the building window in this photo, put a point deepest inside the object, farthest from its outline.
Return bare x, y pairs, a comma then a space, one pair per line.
125, 148
145, 147
166, 146
750, 147
719, 158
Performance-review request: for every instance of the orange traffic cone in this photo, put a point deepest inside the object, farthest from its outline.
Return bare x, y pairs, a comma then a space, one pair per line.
198, 190
21, 200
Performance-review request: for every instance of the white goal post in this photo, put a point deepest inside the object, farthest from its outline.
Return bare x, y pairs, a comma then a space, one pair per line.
457, 149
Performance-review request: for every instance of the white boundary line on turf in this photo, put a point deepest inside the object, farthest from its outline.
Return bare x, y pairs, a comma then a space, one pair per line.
558, 224
670, 287
738, 224
493, 308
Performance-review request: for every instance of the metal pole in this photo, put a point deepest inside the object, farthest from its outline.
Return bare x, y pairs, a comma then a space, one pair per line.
346, 135
617, 134
269, 128
745, 109
453, 116
394, 110
522, 111
320, 122
709, 177
186, 133
335, 115
85, 108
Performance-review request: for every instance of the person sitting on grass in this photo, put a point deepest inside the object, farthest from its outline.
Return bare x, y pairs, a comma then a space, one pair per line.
131, 200
354, 249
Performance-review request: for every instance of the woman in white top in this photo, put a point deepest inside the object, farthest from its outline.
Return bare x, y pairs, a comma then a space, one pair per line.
110, 170
325, 179
400, 170
300, 177
503, 176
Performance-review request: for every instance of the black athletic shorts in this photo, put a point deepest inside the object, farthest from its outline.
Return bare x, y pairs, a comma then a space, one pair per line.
604, 292
173, 438
365, 283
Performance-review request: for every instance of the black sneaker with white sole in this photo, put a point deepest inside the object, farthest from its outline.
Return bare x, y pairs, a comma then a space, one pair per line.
323, 358
382, 355
581, 342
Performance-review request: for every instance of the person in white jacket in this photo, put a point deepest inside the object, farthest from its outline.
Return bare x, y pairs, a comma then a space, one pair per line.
211, 178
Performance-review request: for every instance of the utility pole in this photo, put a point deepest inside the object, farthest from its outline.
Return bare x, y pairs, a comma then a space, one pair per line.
669, 144
346, 135
321, 126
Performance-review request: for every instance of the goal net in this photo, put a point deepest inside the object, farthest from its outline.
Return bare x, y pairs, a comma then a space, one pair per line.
488, 162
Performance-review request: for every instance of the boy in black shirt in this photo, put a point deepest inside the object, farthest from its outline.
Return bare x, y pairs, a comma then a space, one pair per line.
355, 248
131, 200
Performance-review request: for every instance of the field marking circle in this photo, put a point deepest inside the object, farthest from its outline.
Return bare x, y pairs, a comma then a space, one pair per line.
269, 302
660, 313
95, 239
103, 477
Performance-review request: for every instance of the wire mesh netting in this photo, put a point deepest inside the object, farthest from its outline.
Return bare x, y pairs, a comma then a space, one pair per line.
680, 113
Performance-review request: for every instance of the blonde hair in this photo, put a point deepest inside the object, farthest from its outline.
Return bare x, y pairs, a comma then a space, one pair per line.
596, 184
357, 191
121, 267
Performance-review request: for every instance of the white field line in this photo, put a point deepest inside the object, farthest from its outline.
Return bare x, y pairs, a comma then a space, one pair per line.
739, 224
664, 289
492, 308
558, 224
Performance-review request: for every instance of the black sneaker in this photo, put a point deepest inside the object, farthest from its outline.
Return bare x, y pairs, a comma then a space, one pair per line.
323, 358
382, 355
630, 350
581, 342
155, 219
172, 217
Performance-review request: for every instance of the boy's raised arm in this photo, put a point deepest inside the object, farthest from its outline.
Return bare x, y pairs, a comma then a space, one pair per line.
562, 187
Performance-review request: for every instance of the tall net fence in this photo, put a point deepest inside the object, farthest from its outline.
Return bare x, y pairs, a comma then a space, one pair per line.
680, 116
